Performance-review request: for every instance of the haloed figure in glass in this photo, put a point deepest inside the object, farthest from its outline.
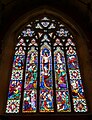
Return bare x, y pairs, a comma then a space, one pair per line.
46, 69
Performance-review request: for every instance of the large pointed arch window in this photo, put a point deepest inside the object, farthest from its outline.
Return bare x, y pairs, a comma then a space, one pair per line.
46, 73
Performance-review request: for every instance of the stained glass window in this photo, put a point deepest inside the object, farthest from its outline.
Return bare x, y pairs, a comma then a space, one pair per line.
15, 87
62, 92
30, 86
46, 76
46, 79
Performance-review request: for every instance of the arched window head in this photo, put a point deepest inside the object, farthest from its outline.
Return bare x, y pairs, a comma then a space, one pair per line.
46, 73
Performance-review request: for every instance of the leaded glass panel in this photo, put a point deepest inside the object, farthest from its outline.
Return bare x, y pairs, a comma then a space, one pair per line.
46, 74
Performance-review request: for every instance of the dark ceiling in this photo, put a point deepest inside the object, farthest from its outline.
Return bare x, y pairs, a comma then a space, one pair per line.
12, 9
79, 10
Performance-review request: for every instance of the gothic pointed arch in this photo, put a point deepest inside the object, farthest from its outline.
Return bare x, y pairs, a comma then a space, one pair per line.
46, 74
